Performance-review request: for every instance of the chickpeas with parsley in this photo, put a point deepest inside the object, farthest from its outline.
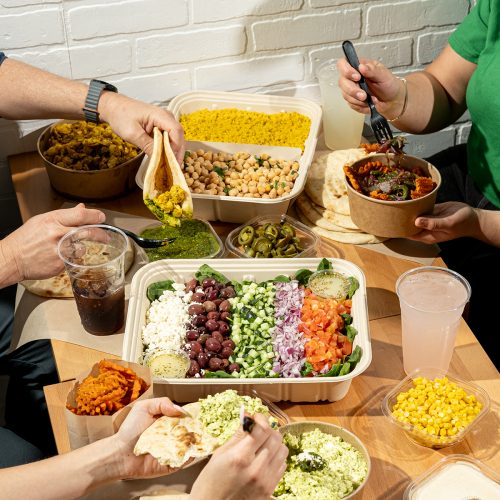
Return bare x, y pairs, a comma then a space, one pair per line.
240, 174
438, 407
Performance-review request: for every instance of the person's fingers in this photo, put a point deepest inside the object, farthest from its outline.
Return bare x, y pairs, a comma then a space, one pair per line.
144, 141
347, 70
373, 71
160, 406
251, 442
426, 237
269, 448
79, 216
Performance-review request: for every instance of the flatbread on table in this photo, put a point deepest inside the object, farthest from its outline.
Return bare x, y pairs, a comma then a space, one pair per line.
326, 179
315, 214
175, 440
355, 238
59, 287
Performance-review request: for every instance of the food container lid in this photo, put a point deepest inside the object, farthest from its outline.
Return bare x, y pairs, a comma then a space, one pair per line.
456, 477
308, 239
213, 255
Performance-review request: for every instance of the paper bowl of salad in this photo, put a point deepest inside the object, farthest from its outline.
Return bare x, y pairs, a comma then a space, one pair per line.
324, 461
249, 323
388, 191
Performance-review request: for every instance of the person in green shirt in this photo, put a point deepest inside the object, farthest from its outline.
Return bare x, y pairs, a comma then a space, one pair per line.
466, 219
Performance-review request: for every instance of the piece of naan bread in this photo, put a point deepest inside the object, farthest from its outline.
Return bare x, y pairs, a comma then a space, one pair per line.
60, 286
174, 440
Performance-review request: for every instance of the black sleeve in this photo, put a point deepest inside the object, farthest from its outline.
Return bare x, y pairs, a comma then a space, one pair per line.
2, 58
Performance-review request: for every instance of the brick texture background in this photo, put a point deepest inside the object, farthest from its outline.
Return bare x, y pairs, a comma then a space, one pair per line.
155, 49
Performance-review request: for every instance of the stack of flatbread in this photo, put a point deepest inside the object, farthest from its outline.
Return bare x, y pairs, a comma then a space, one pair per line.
324, 206
59, 287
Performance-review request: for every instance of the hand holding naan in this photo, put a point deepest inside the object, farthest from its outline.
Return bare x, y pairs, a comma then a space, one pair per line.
248, 466
143, 414
30, 252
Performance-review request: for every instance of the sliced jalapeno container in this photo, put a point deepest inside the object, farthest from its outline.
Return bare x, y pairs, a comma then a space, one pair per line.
272, 236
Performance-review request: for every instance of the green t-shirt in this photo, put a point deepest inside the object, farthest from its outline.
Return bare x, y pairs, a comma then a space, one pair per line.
477, 39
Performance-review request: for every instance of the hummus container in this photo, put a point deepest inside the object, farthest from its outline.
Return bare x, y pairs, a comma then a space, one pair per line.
235, 209
89, 185
309, 241
273, 389
455, 477
391, 219
298, 428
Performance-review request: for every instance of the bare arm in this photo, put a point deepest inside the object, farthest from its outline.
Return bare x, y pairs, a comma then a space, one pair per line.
436, 96
31, 93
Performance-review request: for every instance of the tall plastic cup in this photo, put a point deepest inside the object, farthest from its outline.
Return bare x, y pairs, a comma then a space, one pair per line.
94, 260
342, 126
432, 300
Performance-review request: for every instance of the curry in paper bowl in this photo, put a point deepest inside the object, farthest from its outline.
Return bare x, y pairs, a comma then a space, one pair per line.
388, 191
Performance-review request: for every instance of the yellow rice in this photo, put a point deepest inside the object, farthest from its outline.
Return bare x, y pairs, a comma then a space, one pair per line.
247, 127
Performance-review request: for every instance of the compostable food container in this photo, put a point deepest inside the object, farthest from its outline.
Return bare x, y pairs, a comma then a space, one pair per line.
274, 389
236, 209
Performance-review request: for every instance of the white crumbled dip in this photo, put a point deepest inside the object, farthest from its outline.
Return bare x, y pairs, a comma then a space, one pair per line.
344, 469
166, 321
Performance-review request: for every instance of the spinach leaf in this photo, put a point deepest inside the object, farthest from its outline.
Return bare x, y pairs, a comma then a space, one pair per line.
353, 286
347, 318
306, 369
302, 276
205, 271
346, 368
351, 332
155, 290
355, 356
281, 278
324, 264
219, 171
334, 370
217, 374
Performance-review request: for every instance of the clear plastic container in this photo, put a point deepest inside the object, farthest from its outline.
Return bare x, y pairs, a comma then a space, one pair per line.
457, 477
417, 435
308, 239
211, 255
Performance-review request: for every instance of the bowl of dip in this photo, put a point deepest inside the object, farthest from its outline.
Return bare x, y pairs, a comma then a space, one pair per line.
317, 452
329, 284
194, 239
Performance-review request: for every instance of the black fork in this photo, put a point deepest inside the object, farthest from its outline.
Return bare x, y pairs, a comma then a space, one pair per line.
379, 124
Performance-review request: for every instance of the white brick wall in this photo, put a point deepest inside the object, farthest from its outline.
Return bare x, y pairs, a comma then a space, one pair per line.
156, 49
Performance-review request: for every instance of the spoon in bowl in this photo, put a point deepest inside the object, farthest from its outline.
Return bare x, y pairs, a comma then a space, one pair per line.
144, 242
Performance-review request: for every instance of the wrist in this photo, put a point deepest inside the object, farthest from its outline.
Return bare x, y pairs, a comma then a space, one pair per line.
398, 105
10, 271
107, 103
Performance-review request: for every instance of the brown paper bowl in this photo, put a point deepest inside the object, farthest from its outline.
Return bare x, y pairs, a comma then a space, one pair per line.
89, 185
297, 428
391, 219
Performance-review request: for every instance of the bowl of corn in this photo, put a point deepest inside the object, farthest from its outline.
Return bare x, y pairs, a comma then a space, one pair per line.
434, 408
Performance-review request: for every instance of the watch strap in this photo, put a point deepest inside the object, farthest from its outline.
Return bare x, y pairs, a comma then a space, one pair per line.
96, 87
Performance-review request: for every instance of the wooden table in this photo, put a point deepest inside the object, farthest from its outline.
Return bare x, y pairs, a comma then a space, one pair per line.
395, 460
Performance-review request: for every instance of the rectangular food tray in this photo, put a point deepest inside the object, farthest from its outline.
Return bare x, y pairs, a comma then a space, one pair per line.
230, 208
274, 389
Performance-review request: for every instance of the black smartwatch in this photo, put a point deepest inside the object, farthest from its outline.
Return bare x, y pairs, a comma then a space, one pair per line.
96, 87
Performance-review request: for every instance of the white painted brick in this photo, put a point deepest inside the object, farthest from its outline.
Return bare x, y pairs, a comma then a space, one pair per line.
30, 29
55, 60
99, 60
309, 91
158, 88
126, 17
21, 3
430, 45
426, 145
263, 71
463, 133
331, 3
411, 16
206, 11
393, 53
306, 30
186, 46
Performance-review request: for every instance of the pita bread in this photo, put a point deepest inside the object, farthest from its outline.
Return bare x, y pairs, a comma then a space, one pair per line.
174, 440
354, 238
59, 287
164, 171
314, 214
326, 180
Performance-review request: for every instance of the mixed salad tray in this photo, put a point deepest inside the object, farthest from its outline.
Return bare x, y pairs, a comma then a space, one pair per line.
204, 329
